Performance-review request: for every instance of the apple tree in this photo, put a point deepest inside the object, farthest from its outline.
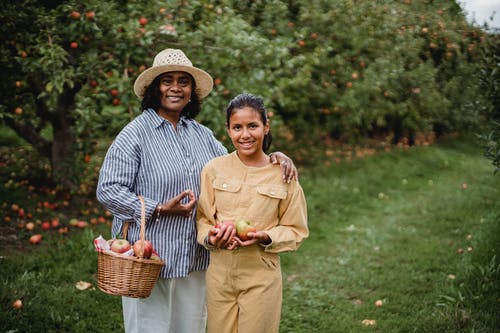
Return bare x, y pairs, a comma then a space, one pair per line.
67, 67
363, 68
343, 70
490, 83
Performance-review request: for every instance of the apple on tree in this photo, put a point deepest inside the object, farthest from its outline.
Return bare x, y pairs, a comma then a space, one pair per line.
243, 228
120, 245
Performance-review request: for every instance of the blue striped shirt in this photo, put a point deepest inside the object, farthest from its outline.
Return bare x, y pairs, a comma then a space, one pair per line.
152, 159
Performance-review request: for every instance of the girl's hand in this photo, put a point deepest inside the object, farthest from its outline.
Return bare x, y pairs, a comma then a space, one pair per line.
288, 169
259, 237
223, 236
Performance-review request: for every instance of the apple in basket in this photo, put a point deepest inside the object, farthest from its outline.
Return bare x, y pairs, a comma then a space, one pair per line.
148, 249
120, 245
155, 256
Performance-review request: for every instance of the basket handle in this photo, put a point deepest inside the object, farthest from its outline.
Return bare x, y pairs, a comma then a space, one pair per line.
142, 232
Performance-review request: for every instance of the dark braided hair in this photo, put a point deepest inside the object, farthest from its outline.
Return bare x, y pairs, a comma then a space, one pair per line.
152, 98
256, 103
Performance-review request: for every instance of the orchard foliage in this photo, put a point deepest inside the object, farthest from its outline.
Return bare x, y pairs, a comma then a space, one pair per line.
341, 69
490, 84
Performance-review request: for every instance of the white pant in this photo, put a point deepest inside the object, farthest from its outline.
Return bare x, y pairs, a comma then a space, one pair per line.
174, 306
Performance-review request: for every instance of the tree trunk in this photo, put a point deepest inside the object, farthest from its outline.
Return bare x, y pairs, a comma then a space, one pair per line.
63, 159
61, 151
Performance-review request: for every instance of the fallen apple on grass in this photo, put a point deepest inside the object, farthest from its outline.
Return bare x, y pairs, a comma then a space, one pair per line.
17, 304
243, 228
35, 239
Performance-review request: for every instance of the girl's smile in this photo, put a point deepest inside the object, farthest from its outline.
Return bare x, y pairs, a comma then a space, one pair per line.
247, 132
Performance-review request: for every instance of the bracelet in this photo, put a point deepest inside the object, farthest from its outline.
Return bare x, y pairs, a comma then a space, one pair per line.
158, 212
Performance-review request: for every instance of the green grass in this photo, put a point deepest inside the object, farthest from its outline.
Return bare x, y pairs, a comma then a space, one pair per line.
386, 227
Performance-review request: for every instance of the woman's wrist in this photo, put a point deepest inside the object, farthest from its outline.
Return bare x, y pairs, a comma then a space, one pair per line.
158, 209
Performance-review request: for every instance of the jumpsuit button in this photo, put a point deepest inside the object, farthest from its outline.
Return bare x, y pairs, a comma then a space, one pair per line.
224, 185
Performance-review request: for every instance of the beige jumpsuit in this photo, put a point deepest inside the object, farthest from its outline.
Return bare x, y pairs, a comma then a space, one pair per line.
244, 286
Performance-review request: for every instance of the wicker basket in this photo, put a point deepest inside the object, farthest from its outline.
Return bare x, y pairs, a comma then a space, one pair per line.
128, 275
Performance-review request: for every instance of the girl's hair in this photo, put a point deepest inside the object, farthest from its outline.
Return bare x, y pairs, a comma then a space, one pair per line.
152, 98
256, 103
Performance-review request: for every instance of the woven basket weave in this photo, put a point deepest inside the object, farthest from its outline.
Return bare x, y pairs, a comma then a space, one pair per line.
128, 275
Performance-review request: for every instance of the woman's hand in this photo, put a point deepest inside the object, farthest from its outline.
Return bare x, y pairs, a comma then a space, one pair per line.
222, 236
175, 206
259, 237
288, 169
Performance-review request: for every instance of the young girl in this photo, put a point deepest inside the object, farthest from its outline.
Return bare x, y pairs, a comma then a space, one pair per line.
244, 284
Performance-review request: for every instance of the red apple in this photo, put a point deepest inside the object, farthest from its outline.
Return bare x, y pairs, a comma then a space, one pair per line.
143, 21
45, 225
54, 223
148, 249
82, 224
73, 45
120, 246
155, 256
35, 239
243, 228
17, 304
90, 15
75, 15
219, 225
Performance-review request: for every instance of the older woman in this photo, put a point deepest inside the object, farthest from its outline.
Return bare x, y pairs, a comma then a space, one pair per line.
159, 155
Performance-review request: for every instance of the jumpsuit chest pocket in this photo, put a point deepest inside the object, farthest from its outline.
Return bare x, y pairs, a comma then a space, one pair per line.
226, 185
272, 191
267, 201
226, 193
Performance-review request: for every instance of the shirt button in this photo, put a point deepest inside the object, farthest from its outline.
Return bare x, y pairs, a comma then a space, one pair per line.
272, 192
224, 185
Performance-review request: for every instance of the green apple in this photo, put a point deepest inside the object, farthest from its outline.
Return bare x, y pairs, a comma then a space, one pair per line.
243, 228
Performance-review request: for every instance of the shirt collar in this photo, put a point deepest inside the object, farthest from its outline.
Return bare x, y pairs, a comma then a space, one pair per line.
158, 121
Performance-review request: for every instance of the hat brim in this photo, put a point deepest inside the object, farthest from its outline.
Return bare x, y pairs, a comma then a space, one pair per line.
203, 80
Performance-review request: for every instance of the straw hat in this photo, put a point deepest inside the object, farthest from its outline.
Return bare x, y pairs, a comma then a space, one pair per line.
170, 60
